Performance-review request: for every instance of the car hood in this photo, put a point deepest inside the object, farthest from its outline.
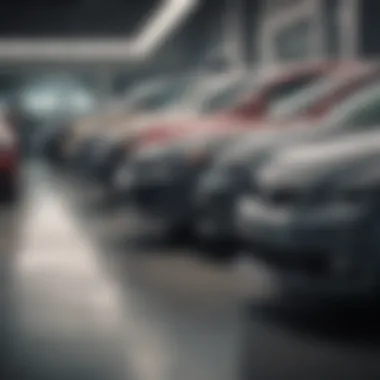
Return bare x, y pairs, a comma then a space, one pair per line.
331, 163
252, 145
142, 126
160, 132
201, 142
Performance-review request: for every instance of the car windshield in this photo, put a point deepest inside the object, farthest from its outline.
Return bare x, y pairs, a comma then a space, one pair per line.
229, 95
281, 95
317, 91
303, 99
360, 110
238, 91
160, 94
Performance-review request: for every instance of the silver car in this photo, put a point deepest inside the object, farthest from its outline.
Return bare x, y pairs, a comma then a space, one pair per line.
225, 181
313, 214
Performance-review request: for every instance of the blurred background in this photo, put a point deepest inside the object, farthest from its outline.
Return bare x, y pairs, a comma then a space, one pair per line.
189, 189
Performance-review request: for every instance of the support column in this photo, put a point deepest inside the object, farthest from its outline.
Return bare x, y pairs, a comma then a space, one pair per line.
234, 40
318, 45
349, 28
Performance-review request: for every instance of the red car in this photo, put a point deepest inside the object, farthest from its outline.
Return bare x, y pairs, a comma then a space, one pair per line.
274, 85
245, 104
320, 86
9, 156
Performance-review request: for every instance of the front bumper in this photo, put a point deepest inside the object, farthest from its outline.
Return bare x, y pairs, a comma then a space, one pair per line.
312, 250
103, 166
214, 214
167, 200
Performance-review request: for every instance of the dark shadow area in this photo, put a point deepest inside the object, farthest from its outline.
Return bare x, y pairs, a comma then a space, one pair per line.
72, 18
350, 322
300, 340
10, 222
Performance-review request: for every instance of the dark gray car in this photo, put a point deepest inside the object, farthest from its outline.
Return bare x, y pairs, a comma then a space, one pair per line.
159, 181
313, 213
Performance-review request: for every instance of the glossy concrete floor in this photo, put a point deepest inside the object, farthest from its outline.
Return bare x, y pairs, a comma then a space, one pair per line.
83, 304
89, 293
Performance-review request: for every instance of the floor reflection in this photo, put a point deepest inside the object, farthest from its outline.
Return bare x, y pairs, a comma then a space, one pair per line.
78, 308
87, 294
352, 322
311, 340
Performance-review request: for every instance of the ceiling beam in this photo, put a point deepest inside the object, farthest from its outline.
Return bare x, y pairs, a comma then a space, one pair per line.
153, 34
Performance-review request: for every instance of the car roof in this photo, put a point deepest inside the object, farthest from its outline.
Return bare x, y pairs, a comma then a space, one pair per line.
332, 88
338, 149
320, 164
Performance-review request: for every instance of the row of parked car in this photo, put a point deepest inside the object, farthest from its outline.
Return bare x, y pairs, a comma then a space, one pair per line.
283, 163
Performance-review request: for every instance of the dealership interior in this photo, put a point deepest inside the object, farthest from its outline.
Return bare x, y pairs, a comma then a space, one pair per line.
168, 214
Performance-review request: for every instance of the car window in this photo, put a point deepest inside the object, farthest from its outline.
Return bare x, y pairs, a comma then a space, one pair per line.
141, 91
307, 97
274, 93
281, 91
208, 94
359, 111
228, 96
157, 95
367, 115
